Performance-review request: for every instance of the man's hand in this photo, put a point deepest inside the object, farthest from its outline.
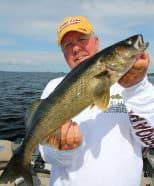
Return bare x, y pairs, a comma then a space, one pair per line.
68, 137
137, 72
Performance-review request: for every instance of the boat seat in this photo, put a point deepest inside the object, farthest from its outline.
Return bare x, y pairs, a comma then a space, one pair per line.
5, 152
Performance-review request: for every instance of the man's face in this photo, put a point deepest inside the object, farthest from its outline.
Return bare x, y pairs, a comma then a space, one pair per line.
77, 47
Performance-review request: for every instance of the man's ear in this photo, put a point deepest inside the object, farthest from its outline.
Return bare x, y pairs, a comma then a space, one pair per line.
97, 43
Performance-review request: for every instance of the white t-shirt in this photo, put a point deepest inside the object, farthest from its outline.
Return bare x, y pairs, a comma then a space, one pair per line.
111, 152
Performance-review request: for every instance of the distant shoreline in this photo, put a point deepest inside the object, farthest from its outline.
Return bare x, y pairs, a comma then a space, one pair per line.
150, 74
55, 73
62, 73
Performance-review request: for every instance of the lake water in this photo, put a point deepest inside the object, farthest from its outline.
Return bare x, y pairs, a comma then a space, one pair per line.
18, 90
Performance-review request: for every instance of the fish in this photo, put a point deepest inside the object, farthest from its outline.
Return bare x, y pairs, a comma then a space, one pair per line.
88, 84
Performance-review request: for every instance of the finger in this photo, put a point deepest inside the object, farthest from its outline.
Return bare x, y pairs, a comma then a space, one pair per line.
78, 137
64, 147
68, 147
70, 135
144, 55
64, 131
142, 62
51, 139
54, 141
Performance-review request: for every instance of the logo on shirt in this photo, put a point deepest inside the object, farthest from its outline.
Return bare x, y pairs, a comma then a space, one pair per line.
142, 129
116, 104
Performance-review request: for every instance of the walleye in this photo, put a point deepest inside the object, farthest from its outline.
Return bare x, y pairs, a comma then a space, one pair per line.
86, 85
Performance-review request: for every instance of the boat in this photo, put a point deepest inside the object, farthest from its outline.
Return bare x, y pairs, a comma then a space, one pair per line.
42, 169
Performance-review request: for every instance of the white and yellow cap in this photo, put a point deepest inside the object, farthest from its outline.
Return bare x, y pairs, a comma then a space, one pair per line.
73, 23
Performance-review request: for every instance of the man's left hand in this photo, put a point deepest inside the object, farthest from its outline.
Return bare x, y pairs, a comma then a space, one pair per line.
137, 72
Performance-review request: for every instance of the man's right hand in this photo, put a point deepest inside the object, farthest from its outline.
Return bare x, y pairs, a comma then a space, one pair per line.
68, 137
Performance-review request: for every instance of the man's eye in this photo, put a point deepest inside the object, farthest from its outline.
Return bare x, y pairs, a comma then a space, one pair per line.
83, 39
67, 45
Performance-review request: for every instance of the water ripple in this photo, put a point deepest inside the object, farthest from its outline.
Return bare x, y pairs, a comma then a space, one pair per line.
18, 90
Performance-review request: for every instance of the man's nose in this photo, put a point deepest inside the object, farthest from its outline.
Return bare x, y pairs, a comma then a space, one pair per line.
76, 49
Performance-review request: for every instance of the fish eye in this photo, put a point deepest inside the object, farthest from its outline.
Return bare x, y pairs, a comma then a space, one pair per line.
101, 60
129, 42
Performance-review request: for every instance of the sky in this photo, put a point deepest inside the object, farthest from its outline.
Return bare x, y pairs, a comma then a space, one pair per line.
28, 40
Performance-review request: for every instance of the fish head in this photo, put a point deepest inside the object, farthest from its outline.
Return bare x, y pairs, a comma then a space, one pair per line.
111, 64
131, 48
122, 55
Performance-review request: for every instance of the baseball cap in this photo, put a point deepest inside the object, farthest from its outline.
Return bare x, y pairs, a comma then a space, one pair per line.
73, 23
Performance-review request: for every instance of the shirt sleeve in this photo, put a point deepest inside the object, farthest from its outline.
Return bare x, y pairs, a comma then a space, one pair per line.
139, 100
50, 87
62, 158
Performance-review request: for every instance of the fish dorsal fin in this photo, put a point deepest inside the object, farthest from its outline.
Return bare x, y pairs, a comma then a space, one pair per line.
102, 100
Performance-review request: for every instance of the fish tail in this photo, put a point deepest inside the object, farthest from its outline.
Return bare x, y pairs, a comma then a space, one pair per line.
16, 169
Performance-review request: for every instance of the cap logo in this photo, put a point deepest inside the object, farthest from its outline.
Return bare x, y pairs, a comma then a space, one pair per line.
71, 21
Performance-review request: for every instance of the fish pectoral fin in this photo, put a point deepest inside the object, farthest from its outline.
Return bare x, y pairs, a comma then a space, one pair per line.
99, 86
92, 105
102, 100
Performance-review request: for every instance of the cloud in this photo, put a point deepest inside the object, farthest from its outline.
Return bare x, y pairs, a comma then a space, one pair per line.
40, 18
29, 27
119, 8
37, 29
33, 61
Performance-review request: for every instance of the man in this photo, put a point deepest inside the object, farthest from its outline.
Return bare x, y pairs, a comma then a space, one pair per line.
95, 147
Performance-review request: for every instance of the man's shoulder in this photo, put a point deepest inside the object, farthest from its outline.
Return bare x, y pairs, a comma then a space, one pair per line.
55, 81
52, 84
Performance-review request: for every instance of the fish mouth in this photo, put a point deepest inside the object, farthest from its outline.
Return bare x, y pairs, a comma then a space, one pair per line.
140, 44
137, 42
